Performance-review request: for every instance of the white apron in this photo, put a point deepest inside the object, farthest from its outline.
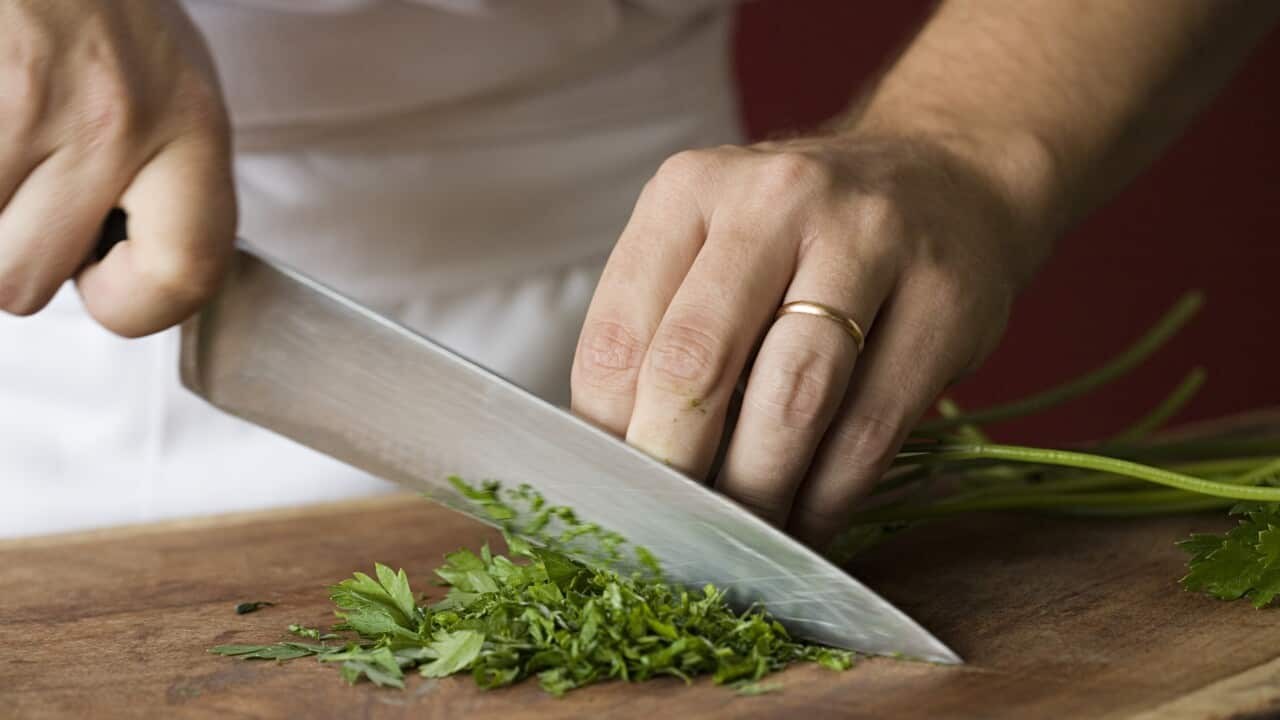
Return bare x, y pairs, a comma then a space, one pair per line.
463, 166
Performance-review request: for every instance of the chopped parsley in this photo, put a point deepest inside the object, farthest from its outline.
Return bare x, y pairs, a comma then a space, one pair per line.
549, 617
545, 615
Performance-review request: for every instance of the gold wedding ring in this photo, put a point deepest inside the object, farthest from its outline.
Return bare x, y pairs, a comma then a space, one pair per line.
804, 307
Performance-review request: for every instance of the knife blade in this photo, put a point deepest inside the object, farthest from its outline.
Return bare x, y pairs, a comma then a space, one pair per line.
280, 350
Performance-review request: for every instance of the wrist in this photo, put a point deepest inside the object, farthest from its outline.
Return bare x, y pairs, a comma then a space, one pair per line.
1018, 165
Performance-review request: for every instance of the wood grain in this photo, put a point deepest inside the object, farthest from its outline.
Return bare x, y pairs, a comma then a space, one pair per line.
1056, 617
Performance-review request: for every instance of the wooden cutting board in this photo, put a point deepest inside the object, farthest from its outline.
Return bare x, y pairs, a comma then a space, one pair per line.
1057, 618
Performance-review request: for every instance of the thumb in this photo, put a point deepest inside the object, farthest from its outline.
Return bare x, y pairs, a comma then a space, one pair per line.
182, 221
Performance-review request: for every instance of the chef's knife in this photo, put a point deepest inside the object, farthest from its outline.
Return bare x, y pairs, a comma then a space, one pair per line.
282, 351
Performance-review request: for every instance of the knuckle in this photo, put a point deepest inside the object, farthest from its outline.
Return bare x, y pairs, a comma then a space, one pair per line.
764, 500
180, 278
868, 442
787, 172
23, 88
681, 171
794, 392
882, 235
954, 296
199, 102
881, 215
609, 356
826, 515
944, 283
203, 280
685, 357
21, 299
937, 260
682, 164
108, 113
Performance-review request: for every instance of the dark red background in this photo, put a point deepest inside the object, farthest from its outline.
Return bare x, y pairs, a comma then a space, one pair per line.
1207, 215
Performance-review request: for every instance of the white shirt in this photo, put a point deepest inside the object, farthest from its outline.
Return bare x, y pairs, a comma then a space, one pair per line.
463, 166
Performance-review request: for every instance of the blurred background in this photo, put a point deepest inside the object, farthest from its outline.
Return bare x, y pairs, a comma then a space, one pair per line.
1206, 216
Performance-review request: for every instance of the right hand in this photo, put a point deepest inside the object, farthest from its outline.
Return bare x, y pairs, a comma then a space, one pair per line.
106, 104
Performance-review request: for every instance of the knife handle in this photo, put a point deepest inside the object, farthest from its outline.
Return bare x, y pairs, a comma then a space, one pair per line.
115, 228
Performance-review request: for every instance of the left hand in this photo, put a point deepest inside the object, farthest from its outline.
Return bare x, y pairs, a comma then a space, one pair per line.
924, 247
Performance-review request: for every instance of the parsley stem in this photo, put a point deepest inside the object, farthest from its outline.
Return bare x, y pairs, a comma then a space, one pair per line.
1113, 494
1223, 466
1187, 504
1084, 461
968, 432
1145, 501
1194, 448
1135, 355
915, 475
1228, 467
1261, 474
1167, 408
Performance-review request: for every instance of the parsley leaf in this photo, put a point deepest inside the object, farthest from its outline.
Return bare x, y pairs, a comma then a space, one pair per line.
756, 688
377, 607
312, 633
455, 651
280, 651
236, 649
397, 587
1245, 562
376, 663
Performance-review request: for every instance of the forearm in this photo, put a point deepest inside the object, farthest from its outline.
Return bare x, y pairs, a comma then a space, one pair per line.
1064, 100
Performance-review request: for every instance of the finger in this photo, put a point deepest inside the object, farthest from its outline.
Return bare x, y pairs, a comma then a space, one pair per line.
916, 352
50, 223
645, 269
704, 339
17, 162
800, 375
182, 219
25, 139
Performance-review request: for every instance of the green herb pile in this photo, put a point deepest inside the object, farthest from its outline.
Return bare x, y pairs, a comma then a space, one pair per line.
951, 467
550, 616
